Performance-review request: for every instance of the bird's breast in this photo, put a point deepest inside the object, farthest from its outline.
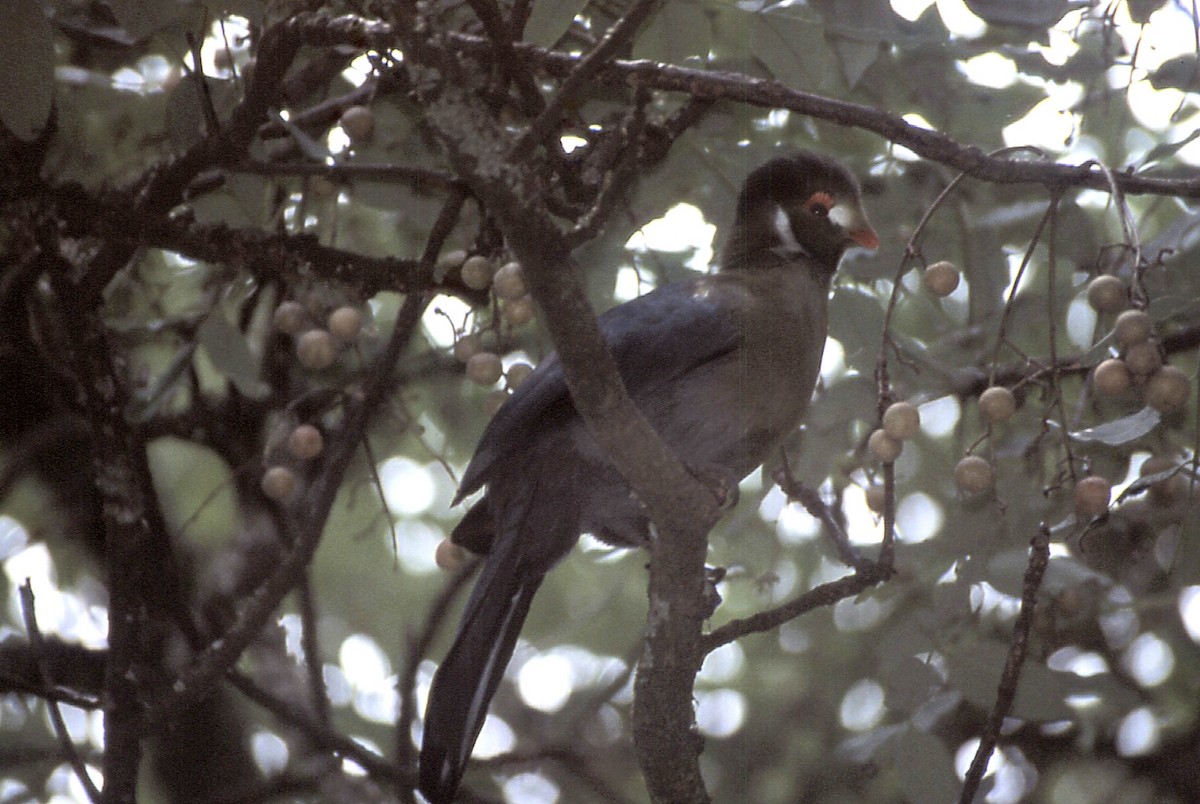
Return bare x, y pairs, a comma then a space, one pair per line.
732, 411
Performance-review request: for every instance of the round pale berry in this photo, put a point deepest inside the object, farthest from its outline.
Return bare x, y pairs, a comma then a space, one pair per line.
509, 281
519, 312
941, 279
467, 347
1168, 389
448, 555
1132, 327
1112, 377
279, 483
876, 497
1169, 491
974, 475
315, 350
359, 124
345, 323
305, 442
517, 373
289, 317
451, 260
884, 447
1107, 294
901, 420
1143, 359
1091, 496
997, 404
477, 272
484, 368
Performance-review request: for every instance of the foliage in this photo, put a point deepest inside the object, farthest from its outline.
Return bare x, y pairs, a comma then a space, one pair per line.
241, 639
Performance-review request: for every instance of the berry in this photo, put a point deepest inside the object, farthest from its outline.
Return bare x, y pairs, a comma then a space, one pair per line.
451, 260
884, 447
345, 323
484, 368
901, 420
876, 498
279, 483
997, 404
289, 317
1091, 496
1164, 492
477, 272
517, 373
1132, 327
974, 475
467, 347
314, 349
359, 124
1111, 377
941, 279
305, 442
509, 281
1107, 294
1168, 390
448, 555
519, 312
1143, 359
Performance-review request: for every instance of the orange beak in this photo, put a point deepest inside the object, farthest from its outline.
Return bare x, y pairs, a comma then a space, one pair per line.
865, 237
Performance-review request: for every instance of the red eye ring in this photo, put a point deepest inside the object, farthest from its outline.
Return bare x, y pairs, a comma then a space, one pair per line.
819, 204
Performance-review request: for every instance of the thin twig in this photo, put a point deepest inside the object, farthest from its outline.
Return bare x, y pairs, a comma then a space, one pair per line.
1007, 691
824, 595
313, 665
29, 613
584, 70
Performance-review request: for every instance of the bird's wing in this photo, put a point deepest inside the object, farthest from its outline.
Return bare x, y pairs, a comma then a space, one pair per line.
653, 338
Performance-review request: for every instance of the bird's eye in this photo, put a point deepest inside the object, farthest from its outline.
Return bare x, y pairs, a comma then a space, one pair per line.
820, 204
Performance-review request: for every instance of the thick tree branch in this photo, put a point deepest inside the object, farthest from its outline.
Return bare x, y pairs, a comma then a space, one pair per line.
682, 510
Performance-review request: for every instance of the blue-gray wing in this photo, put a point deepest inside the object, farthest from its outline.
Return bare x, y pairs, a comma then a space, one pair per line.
654, 338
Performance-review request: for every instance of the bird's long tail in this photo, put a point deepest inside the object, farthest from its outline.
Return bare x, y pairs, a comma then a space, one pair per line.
468, 677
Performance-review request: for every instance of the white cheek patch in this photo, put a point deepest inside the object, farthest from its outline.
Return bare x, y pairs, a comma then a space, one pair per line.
842, 215
787, 238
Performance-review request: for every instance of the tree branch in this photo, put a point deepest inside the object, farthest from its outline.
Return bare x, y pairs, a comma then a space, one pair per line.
1039, 559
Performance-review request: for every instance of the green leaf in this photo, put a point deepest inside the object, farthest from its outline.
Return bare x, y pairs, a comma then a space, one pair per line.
856, 318
1006, 572
976, 666
678, 32
185, 108
26, 68
790, 47
549, 21
1035, 14
230, 354
147, 403
856, 58
1163, 150
1120, 431
923, 766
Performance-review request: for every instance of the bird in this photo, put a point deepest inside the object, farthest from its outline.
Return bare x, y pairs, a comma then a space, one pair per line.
722, 366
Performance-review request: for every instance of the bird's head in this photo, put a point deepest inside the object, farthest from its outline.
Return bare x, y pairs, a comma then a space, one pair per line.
802, 204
